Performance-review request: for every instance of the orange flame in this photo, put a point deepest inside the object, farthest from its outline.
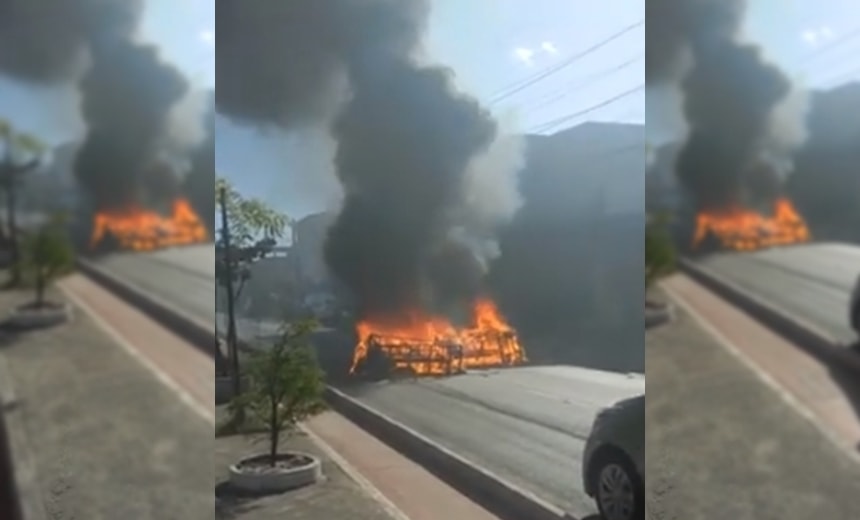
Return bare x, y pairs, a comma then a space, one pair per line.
427, 345
139, 229
742, 229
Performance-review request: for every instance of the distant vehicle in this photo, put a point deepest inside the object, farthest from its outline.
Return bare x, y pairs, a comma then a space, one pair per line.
613, 463
855, 307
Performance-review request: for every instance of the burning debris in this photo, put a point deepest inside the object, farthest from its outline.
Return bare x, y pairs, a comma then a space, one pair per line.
434, 346
127, 94
145, 230
741, 229
730, 164
410, 241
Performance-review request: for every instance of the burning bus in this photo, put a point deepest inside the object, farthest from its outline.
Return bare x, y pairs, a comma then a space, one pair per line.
423, 345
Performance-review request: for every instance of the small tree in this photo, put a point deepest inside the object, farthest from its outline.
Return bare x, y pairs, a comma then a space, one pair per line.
286, 384
47, 253
660, 256
22, 154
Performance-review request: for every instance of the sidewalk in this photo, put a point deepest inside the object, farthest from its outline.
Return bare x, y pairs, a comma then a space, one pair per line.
724, 444
366, 480
337, 497
107, 439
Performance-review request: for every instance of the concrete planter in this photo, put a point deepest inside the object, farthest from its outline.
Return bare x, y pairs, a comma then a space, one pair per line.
24, 317
294, 470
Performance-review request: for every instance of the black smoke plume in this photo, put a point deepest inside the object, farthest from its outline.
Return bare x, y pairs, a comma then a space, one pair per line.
405, 137
728, 98
825, 184
674, 25
405, 142
127, 95
198, 183
729, 94
127, 91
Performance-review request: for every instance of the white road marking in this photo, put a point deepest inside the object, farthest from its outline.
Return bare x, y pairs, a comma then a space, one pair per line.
766, 378
186, 398
356, 475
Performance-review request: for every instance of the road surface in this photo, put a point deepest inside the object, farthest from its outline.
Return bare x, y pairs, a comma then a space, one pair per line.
812, 281
525, 424
183, 276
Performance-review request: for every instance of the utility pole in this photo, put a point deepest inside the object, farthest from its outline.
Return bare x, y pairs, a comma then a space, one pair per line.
233, 351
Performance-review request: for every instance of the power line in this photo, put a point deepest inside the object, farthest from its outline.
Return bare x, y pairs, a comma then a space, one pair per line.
582, 83
555, 123
833, 44
509, 91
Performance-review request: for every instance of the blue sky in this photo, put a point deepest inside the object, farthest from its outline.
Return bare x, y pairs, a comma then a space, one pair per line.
815, 42
182, 28
490, 46
493, 45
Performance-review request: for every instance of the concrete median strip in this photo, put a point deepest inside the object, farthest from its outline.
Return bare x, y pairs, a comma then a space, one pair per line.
496, 495
794, 328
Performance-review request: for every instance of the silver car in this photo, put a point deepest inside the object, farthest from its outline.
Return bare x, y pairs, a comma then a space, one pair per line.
613, 463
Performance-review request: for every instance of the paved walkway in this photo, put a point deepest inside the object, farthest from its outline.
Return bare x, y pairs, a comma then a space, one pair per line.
107, 439
721, 442
337, 497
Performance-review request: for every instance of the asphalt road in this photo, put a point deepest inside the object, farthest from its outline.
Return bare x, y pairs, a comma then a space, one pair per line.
812, 281
528, 424
182, 276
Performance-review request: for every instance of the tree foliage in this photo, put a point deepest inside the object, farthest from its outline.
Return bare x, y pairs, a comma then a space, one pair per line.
18, 145
286, 384
254, 228
21, 154
660, 255
250, 219
48, 253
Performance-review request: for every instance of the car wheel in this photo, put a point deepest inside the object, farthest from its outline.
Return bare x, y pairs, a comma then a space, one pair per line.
618, 489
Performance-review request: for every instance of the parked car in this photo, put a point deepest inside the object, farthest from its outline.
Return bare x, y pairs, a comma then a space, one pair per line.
854, 312
613, 463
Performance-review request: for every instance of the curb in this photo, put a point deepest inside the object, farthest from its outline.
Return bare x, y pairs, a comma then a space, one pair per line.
200, 335
494, 494
796, 330
30, 504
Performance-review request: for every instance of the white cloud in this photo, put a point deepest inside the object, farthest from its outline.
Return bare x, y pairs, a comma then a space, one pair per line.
524, 55
817, 35
549, 48
207, 37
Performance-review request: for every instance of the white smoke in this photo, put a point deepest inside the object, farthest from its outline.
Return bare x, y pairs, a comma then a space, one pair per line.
185, 126
491, 183
787, 128
491, 194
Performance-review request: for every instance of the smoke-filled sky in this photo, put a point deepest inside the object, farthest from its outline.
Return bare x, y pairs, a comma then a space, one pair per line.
184, 31
515, 42
808, 39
